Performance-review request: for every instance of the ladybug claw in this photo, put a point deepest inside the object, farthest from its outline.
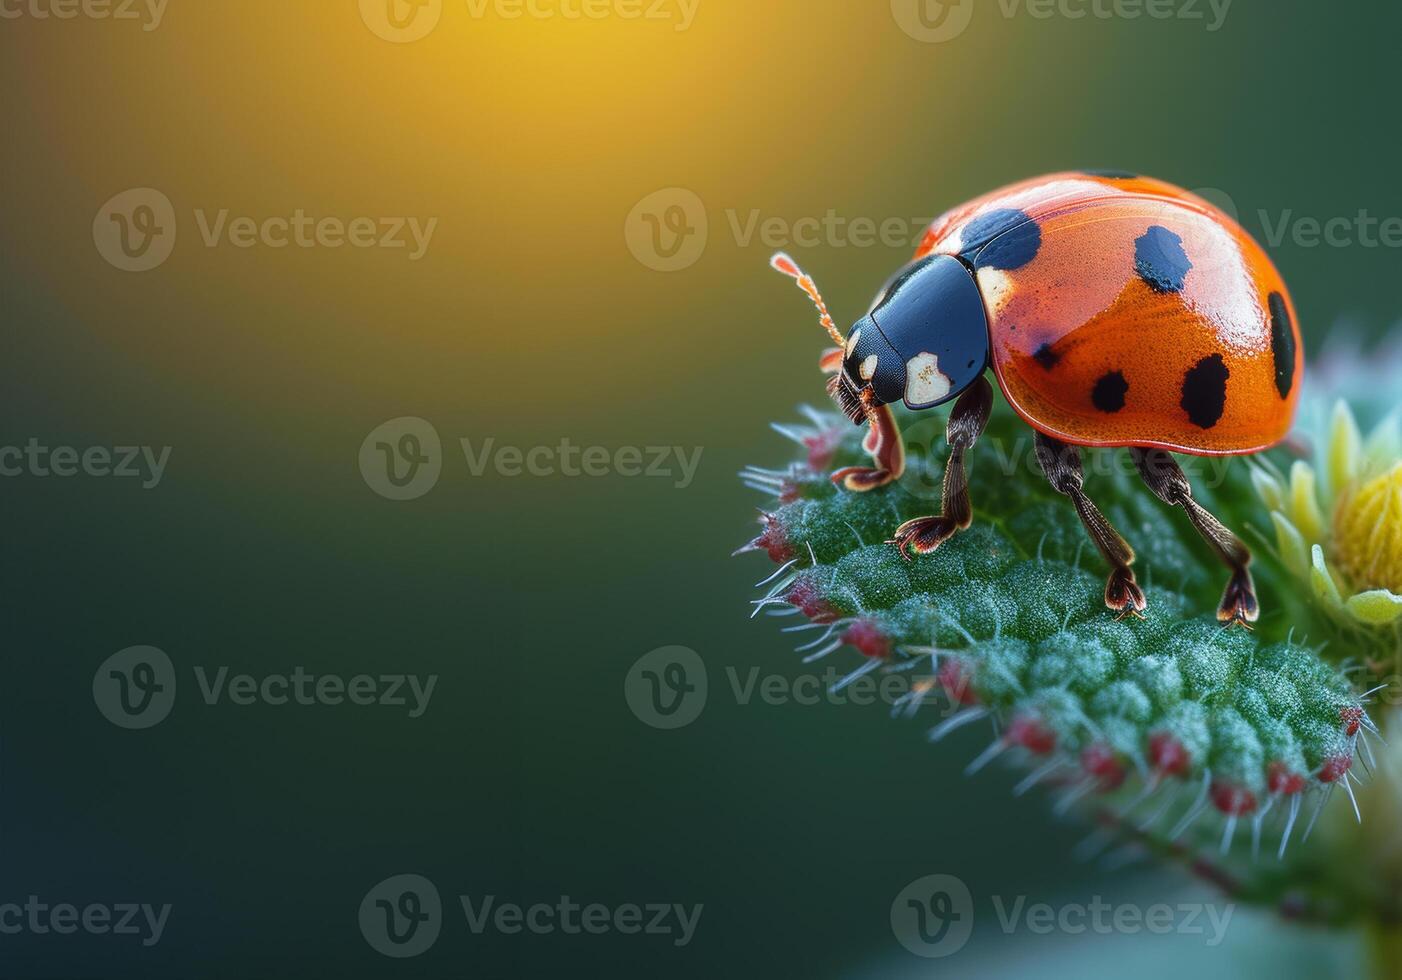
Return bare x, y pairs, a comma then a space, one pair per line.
1239, 603
923, 535
1123, 595
860, 479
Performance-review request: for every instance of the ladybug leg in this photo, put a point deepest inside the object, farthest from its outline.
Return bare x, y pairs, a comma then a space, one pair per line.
887, 451
1164, 477
967, 420
1062, 465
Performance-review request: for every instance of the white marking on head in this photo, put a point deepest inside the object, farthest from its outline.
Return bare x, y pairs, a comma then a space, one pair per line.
852, 341
997, 288
868, 367
925, 383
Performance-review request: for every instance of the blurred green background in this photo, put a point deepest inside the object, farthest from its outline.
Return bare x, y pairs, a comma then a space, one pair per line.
539, 311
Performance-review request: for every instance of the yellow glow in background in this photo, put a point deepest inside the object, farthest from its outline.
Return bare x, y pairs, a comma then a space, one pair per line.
530, 141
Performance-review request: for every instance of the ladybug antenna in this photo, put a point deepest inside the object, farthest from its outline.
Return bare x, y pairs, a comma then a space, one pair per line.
783, 263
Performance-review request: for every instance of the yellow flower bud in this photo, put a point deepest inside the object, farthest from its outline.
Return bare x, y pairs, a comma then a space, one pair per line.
1367, 543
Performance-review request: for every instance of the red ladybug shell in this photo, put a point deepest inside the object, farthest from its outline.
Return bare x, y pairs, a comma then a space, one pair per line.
1124, 311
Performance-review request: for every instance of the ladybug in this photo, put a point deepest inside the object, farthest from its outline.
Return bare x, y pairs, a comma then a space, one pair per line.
1115, 311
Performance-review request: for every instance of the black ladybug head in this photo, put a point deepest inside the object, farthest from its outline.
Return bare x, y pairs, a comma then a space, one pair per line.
924, 341
872, 371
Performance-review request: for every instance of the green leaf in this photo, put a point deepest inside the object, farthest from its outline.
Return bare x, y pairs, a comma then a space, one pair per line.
1007, 620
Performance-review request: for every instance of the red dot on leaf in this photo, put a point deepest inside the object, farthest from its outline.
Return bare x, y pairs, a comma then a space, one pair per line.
1102, 762
868, 638
1334, 768
957, 681
1280, 779
1233, 800
809, 599
774, 540
1168, 755
1032, 734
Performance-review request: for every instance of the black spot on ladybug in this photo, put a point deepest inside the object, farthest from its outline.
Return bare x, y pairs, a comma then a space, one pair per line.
1160, 260
1012, 250
1046, 357
1282, 345
1002, 239
989, 225
1109, 392
1205, 391
1110, 174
